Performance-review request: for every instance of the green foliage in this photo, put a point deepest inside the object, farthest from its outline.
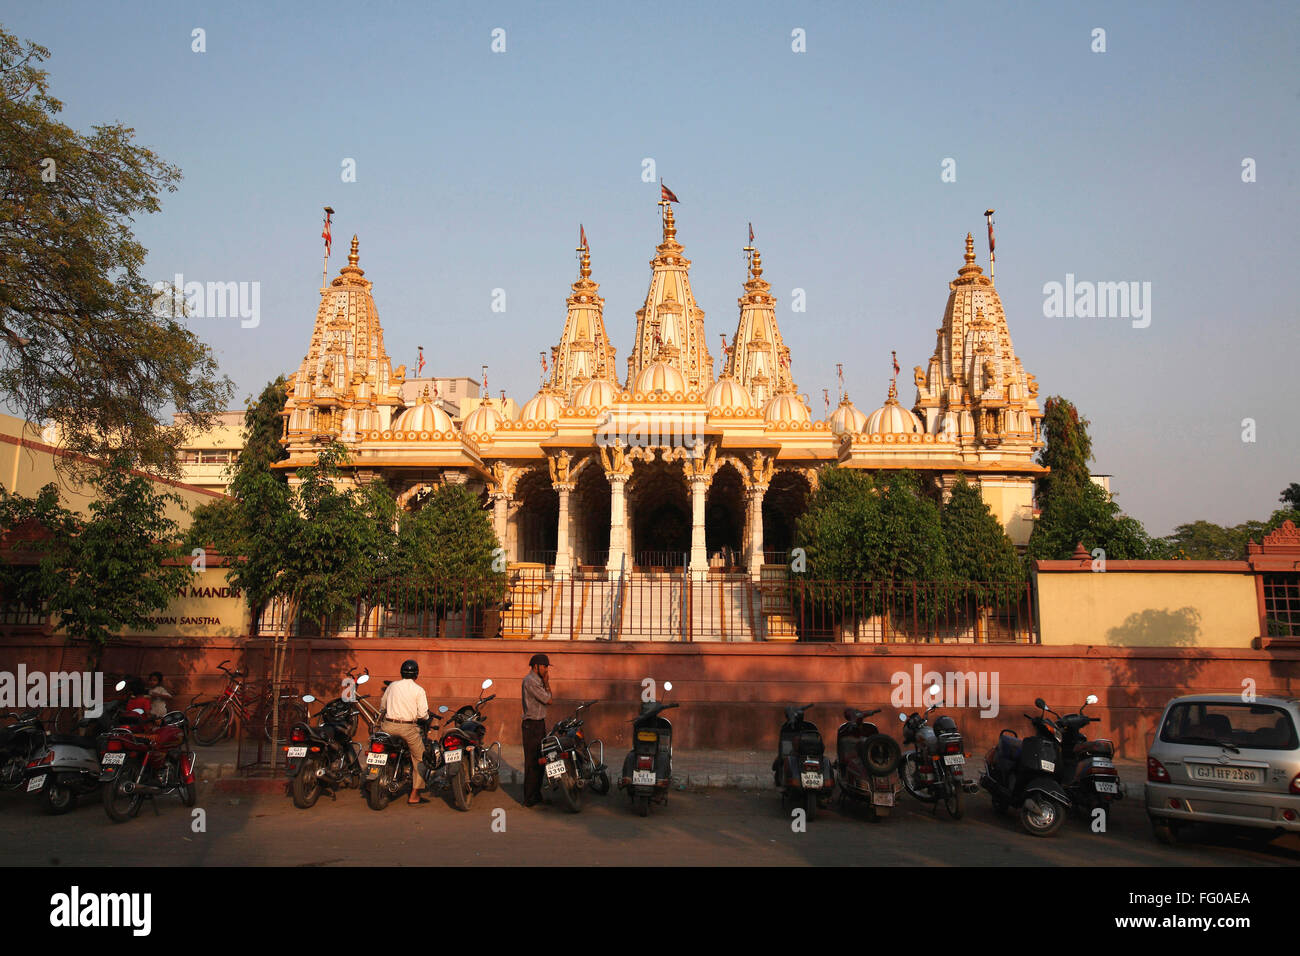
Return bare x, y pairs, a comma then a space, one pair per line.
1291, 496
1088, 515
99, 575
977, 546
444, 553
80, 344
1206, 541
1068, 449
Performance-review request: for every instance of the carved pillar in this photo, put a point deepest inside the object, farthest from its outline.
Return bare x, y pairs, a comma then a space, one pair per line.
699, 554
563, 553
500, 504
754, 498
618, 559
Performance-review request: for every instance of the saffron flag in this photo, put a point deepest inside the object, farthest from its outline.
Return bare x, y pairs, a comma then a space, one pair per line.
989, 215
325, 233
751, 233
582, 236
896, 368
419, 366
725, 350
666, 194
542, 356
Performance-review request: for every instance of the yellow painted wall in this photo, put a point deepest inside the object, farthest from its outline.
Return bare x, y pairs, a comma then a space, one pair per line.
209, 607
1148, 609
1012, 504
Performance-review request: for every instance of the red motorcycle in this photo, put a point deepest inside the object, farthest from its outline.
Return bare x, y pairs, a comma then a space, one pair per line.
142, 759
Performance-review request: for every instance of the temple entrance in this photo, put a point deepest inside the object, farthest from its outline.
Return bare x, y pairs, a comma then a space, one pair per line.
589, 512
538, 519
724, 519
659, 516
785, 501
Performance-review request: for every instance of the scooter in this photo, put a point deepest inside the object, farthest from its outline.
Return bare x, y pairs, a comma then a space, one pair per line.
67, 767
324, 758
802, 771
1022, 774
467, 765
20, 742
1087, 768
648, 769
932, 771
865, 763
568, 763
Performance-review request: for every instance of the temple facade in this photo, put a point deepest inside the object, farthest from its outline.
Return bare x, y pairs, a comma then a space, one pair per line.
680, 463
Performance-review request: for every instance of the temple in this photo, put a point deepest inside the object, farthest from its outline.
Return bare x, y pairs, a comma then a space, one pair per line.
673, 466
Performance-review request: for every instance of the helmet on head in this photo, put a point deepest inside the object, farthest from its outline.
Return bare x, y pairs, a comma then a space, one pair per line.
410, 670
539, 659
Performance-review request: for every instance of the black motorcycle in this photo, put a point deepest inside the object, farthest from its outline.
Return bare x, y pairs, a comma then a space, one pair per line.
324, 758
389, 765
1087, 768
648, 768
568, 764
20, 742
932, 771
1022, 774
467, 765
865, 763
801, 770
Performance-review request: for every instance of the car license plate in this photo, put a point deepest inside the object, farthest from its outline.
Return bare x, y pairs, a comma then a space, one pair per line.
1106, 787
113, 758
1226, 774
811, 781
376, 760
1103, 762
297, 752
954, 760
885, 799
555, 768
1047, 765
35, 783
451, 756
643, 778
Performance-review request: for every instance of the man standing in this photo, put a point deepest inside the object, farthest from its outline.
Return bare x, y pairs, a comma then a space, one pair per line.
537, 694
404, 706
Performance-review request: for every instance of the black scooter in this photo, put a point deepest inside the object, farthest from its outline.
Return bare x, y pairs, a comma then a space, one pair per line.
324, 758
1087, 768
568, 764
467, 765
20, 742
865, 763
1022, 774
648, 768
802, 771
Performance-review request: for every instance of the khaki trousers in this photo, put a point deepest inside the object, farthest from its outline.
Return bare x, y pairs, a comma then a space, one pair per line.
411, 734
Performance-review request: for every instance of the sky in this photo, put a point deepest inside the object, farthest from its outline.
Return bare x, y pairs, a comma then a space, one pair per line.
862, 160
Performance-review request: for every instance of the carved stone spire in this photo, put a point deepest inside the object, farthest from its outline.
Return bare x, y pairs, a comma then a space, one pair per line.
584, 352
759, 359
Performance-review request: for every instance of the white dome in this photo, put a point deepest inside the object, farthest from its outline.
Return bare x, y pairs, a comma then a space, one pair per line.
598, 394
847, 420
728, 393
786, 407
892, 418
424, 417
659, 377
542, 407
483, 420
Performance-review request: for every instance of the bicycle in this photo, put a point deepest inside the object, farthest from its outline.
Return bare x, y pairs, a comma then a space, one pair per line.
215, 720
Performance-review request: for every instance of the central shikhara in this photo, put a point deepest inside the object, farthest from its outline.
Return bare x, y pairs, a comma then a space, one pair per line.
673, 467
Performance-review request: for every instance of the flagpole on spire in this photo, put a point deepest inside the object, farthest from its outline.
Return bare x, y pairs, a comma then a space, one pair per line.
988, 214
325, 263
749, 249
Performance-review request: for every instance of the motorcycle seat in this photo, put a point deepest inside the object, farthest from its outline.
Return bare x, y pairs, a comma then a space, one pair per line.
1009, 747
1094, 748
72, 740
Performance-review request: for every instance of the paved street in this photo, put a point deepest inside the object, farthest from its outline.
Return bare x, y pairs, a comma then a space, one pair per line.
696, 828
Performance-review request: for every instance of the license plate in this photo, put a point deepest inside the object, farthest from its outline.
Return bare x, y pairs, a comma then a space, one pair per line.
1103, 762
377, 760
1226, 774
1106, 787
1047, 765
113, 758
643, 778
885, 799
954, 760
555, 768
35, 783
298, 752
451, 756
811, 781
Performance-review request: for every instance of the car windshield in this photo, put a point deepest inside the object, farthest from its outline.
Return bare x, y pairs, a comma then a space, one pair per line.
1245, 726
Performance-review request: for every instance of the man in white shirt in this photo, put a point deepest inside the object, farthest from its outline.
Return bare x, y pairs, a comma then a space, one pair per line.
404, 705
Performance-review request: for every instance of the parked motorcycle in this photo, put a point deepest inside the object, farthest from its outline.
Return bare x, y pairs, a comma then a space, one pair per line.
802, 771
648, 769
569, 765
324, 758
389, 765
865, 763
20, 742
1022, 774
142, 761
467, 765
1087, 768
932, 771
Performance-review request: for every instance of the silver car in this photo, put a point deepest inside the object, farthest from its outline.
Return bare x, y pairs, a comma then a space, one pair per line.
1220, 759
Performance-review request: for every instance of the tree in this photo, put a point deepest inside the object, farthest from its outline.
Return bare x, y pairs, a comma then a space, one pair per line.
81, 344
1068, 448
977, 546
1091, 517
1291, 496
98, 576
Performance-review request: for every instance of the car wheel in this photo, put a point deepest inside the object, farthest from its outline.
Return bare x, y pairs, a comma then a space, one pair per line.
1166, 831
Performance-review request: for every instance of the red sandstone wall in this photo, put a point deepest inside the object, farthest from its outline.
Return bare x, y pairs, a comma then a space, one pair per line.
732, 695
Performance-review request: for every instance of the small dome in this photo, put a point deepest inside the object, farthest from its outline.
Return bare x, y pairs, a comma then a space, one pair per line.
483, 420
542, 407
786, 407
659, 377
847, 420
424, 417
728, 393
892, 418
598, 394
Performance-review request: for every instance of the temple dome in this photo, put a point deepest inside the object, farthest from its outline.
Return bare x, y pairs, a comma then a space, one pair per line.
786, 407
659, 377
483, 420
598, 394
892, 418
542, 407
424, 417
728, 393
847, 419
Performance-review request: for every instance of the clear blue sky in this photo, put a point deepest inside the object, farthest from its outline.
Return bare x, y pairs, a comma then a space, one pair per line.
474, 170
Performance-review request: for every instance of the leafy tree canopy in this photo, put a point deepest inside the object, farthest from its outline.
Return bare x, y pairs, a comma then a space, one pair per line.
977, 546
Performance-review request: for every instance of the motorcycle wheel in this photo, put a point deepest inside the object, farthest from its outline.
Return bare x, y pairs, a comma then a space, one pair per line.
377, 795
306, 787
188, 794
600, 783
907, 772
213, 724
643, 806
120, 806
1166, 831
1047, 821
58, 798
810, 804
952, 800
462, 794
571, 794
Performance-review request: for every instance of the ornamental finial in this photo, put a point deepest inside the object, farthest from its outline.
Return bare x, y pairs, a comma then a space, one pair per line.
970, 249
353, 257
